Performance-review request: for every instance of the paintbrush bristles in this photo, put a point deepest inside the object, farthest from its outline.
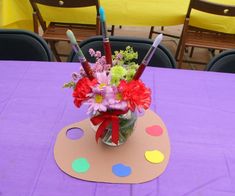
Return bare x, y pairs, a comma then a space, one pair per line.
157, 40
71, 37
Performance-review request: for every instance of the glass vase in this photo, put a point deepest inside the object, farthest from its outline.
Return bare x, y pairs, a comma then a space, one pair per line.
126, 128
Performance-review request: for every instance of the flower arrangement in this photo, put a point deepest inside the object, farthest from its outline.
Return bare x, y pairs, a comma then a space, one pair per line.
112, 92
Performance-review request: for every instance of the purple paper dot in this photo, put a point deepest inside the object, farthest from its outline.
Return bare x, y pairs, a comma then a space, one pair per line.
74, 133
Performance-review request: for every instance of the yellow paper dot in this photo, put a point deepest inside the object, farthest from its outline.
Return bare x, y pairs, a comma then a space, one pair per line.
154, 156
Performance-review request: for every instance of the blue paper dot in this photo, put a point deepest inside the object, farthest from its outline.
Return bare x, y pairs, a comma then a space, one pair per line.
121, 170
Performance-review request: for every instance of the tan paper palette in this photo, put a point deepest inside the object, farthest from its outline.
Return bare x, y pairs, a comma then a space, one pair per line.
103, 159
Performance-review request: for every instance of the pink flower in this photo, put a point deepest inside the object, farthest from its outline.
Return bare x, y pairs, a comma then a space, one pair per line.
103, 79
98, 68
82, 72
75, 76
107, 67
119, 56
104, 84
97, 101
101, 60
91, 52
116, 101
98, 54
100, 65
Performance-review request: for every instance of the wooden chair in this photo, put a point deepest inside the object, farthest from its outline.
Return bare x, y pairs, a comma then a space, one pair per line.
112, 29
198, 37
56, 31
153, 31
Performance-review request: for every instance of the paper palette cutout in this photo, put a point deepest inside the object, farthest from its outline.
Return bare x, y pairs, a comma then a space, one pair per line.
85, 159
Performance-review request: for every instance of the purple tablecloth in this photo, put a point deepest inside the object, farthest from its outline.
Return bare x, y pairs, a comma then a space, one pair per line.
197, 107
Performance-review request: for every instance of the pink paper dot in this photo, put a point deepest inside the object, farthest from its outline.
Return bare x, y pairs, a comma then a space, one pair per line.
154, 130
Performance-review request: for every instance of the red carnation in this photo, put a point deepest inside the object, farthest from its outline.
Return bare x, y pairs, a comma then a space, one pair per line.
82, 88
135, 93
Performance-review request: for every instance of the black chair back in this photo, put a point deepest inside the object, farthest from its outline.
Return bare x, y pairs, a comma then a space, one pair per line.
161, 58
23, 45
223, 62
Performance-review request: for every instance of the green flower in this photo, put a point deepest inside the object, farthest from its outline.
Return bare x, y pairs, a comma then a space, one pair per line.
125, 57
70, 84
129, 55
117, 73
133, 66
115, 80
130, 74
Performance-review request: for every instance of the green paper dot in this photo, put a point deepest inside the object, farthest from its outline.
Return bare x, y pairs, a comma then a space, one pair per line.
80, 165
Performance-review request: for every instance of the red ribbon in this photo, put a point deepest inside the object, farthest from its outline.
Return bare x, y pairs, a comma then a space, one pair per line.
105, 119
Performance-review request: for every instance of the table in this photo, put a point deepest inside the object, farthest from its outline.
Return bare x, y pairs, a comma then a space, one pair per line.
197, 107
18, 14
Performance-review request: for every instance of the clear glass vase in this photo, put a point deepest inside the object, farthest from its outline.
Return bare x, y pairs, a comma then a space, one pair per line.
126, 127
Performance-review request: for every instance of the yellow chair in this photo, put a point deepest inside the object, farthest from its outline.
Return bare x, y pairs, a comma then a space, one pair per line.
56, 31
193, 36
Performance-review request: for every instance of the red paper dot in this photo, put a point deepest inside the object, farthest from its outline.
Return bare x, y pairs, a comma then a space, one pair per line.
155, 130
